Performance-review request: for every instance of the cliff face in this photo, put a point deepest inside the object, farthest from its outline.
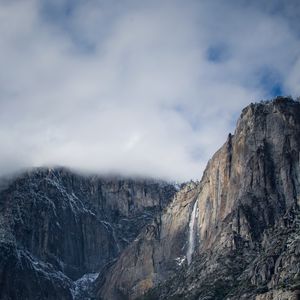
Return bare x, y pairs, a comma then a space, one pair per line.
234, 235
154, 255
57, 226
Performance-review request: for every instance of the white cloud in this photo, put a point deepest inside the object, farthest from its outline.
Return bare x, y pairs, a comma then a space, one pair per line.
137, 88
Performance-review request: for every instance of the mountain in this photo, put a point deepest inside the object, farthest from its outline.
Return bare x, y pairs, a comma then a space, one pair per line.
58, 229
233, 235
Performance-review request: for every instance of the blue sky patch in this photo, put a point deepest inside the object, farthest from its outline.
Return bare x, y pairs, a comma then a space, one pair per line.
217, 53
270, 80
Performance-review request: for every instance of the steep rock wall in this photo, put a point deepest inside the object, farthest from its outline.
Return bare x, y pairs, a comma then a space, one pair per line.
60, 223
249, 187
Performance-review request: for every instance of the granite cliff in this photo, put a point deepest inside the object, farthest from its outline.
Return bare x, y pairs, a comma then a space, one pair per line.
233, 235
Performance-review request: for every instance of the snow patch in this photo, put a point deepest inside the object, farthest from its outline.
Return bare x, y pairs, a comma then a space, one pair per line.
180, 260
82, 286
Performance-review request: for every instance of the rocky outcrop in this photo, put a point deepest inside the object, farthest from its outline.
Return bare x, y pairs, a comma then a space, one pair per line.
279, 295
57, 226
155, 254
246, 231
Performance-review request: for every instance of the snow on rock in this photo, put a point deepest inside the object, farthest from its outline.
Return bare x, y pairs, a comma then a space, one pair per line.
83, 286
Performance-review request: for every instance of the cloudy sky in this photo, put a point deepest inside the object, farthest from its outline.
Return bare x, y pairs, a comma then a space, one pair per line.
137, 87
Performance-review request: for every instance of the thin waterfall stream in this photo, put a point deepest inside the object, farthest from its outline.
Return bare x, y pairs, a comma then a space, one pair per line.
192, 233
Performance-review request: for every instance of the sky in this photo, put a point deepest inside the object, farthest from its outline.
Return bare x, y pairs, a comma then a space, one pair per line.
137, 88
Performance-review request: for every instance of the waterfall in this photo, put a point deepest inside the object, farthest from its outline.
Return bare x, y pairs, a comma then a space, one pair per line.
191, 245
219, 189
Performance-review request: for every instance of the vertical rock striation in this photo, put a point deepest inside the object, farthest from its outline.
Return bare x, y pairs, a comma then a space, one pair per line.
57, 226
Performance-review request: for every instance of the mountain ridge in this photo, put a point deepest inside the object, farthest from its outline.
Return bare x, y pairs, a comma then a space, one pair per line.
232, 235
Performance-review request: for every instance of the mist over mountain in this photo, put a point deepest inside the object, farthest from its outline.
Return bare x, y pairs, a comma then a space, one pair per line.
130, 87
232, 235
139, 159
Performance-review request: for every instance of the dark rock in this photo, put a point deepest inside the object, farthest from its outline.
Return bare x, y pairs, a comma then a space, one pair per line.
64, 225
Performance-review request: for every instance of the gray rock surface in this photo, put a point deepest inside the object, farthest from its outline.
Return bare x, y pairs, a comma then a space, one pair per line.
57, 226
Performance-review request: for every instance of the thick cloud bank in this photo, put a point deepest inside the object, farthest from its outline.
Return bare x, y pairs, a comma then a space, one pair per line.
137, 87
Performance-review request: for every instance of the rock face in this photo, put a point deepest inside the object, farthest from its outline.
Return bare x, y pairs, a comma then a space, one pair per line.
154, 255
56, 227
245, 230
